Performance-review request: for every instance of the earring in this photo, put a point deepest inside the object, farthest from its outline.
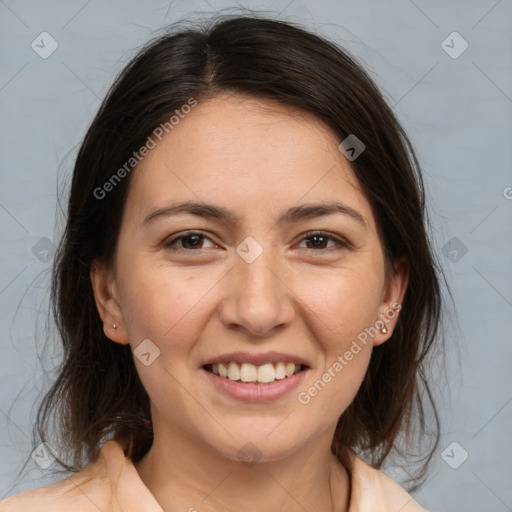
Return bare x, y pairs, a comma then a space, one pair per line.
384, 330
114, 326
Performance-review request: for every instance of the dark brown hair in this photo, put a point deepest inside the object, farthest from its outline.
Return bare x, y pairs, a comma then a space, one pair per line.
97, 393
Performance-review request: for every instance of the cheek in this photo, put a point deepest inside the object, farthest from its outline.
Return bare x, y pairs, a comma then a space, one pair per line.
342, 312
344, 304
334, 387
341, 332
163, 304
168, 307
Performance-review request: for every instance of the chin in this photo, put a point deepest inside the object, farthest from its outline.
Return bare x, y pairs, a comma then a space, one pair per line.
251, 445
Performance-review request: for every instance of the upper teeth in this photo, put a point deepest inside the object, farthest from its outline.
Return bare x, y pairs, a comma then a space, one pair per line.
247, 372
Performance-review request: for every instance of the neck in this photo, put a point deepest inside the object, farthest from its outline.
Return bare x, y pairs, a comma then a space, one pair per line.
184, 473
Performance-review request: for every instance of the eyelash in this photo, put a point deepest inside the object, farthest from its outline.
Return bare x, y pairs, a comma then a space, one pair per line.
307, 236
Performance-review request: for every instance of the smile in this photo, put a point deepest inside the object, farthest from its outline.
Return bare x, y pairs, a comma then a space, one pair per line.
247, 372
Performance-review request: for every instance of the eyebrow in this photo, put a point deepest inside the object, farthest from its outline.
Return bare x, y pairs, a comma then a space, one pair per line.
293, 214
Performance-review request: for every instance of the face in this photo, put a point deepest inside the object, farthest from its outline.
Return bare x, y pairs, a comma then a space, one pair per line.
255, 282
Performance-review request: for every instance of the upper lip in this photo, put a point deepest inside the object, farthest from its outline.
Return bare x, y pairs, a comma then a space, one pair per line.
256, 359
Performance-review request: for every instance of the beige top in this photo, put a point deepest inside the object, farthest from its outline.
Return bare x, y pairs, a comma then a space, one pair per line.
112, 484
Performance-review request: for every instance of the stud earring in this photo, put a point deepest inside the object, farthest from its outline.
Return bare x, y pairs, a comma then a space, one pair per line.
114, 326
384, 330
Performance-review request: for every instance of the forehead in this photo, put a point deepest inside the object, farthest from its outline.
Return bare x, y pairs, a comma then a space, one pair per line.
243, 151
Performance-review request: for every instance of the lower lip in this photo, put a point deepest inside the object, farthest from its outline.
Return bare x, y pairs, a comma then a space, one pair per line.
254, 391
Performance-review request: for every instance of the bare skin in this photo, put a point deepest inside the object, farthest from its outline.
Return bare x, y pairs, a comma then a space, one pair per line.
198, 298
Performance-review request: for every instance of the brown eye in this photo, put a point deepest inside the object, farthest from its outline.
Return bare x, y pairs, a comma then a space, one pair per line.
186, 242
319, 240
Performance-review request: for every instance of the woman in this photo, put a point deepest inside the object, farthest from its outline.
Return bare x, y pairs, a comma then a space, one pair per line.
245, 289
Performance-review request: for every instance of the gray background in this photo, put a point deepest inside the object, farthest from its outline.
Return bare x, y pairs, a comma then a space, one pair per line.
457, 112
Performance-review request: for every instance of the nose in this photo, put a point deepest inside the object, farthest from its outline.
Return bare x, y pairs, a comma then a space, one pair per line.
257, 300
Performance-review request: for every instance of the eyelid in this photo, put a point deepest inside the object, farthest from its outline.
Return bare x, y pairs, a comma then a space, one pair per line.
340, 241
183, 234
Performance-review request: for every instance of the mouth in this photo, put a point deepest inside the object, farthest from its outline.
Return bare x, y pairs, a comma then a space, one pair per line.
266, 373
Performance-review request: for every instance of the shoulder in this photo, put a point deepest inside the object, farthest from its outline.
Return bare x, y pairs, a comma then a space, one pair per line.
86, 490
374, 490
110, 484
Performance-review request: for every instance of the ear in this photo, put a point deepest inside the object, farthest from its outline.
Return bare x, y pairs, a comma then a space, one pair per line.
105, 294
392, 297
